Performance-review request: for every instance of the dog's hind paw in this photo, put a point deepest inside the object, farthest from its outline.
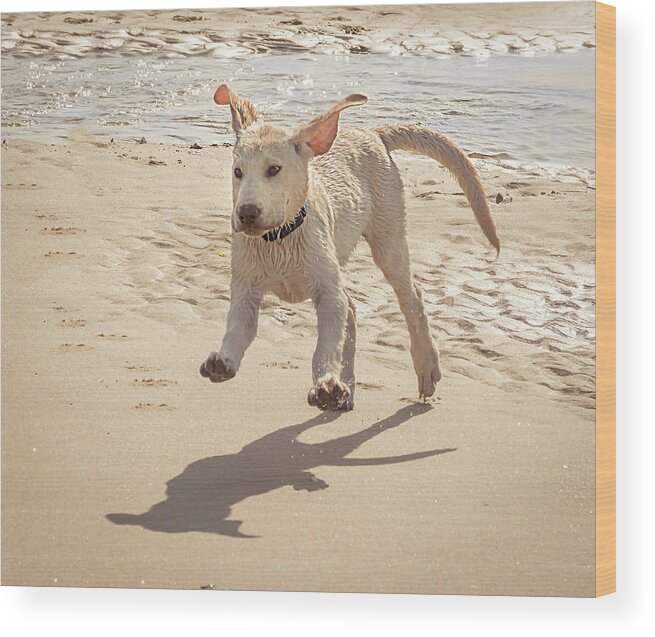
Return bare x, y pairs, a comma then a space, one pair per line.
217, 368
330, 393
427, 382
428, 371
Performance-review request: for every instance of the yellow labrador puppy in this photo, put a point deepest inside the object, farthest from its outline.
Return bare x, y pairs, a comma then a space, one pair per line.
301, 200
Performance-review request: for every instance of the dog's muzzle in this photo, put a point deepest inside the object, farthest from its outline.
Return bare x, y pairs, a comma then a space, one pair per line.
248, 213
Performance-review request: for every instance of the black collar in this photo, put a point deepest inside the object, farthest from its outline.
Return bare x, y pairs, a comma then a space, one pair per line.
287, 228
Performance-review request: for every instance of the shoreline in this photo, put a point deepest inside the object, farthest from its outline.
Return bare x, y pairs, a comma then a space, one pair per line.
512, 169
498, 87
435, 30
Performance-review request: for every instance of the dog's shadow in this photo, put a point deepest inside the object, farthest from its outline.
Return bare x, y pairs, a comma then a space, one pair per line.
202, 496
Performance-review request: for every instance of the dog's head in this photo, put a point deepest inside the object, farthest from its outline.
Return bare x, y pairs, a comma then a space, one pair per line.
269, 172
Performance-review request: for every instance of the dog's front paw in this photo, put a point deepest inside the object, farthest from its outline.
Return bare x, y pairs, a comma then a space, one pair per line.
217, 368
330, 393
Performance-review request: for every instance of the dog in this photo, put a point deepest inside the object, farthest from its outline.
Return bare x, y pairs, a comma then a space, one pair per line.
301, 201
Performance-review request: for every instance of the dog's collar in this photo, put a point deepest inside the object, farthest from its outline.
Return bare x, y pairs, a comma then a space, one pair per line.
287, 228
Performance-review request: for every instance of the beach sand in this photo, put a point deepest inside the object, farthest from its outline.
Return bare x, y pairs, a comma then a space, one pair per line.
115, 275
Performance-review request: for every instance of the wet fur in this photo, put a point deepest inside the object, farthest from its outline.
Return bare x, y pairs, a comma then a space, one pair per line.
351, 188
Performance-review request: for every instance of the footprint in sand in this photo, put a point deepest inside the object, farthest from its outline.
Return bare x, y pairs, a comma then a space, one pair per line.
420, 401
78, 20
52, 217
60, 230
456, 238
142, 368
19, 185
72, 323
152, 382
369, 386
188, 18
154, 407
429, 195
75, 347
62, 308
513, 185
280, 365
59, 254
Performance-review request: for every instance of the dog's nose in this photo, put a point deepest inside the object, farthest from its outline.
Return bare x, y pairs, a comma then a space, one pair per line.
248, 213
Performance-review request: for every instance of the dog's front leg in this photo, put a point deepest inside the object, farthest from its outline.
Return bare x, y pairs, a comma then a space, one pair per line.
329, 392
239, 334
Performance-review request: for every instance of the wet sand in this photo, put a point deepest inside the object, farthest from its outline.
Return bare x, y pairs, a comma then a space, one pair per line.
436, 30
115, 275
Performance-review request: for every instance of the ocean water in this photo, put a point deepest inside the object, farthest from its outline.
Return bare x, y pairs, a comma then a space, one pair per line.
523, 110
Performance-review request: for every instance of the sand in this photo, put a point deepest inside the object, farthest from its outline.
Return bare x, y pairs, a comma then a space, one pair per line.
115, 274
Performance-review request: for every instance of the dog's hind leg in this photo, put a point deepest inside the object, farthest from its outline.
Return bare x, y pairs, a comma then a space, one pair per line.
391, 254
348, 353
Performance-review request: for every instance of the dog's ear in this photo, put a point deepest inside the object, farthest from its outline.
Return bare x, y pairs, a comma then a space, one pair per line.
319, 134
243, 111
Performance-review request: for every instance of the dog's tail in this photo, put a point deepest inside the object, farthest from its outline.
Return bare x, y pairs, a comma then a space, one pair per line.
423, 141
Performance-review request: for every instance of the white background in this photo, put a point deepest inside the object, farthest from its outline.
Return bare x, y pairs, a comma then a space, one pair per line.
72, 612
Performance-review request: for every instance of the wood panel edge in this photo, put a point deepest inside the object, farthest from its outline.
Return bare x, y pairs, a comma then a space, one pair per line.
605, 299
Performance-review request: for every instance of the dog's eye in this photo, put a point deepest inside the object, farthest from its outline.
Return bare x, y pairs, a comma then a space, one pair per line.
237, 173
273, 170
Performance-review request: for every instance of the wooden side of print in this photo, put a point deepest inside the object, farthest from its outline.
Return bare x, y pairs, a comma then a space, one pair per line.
605, 299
